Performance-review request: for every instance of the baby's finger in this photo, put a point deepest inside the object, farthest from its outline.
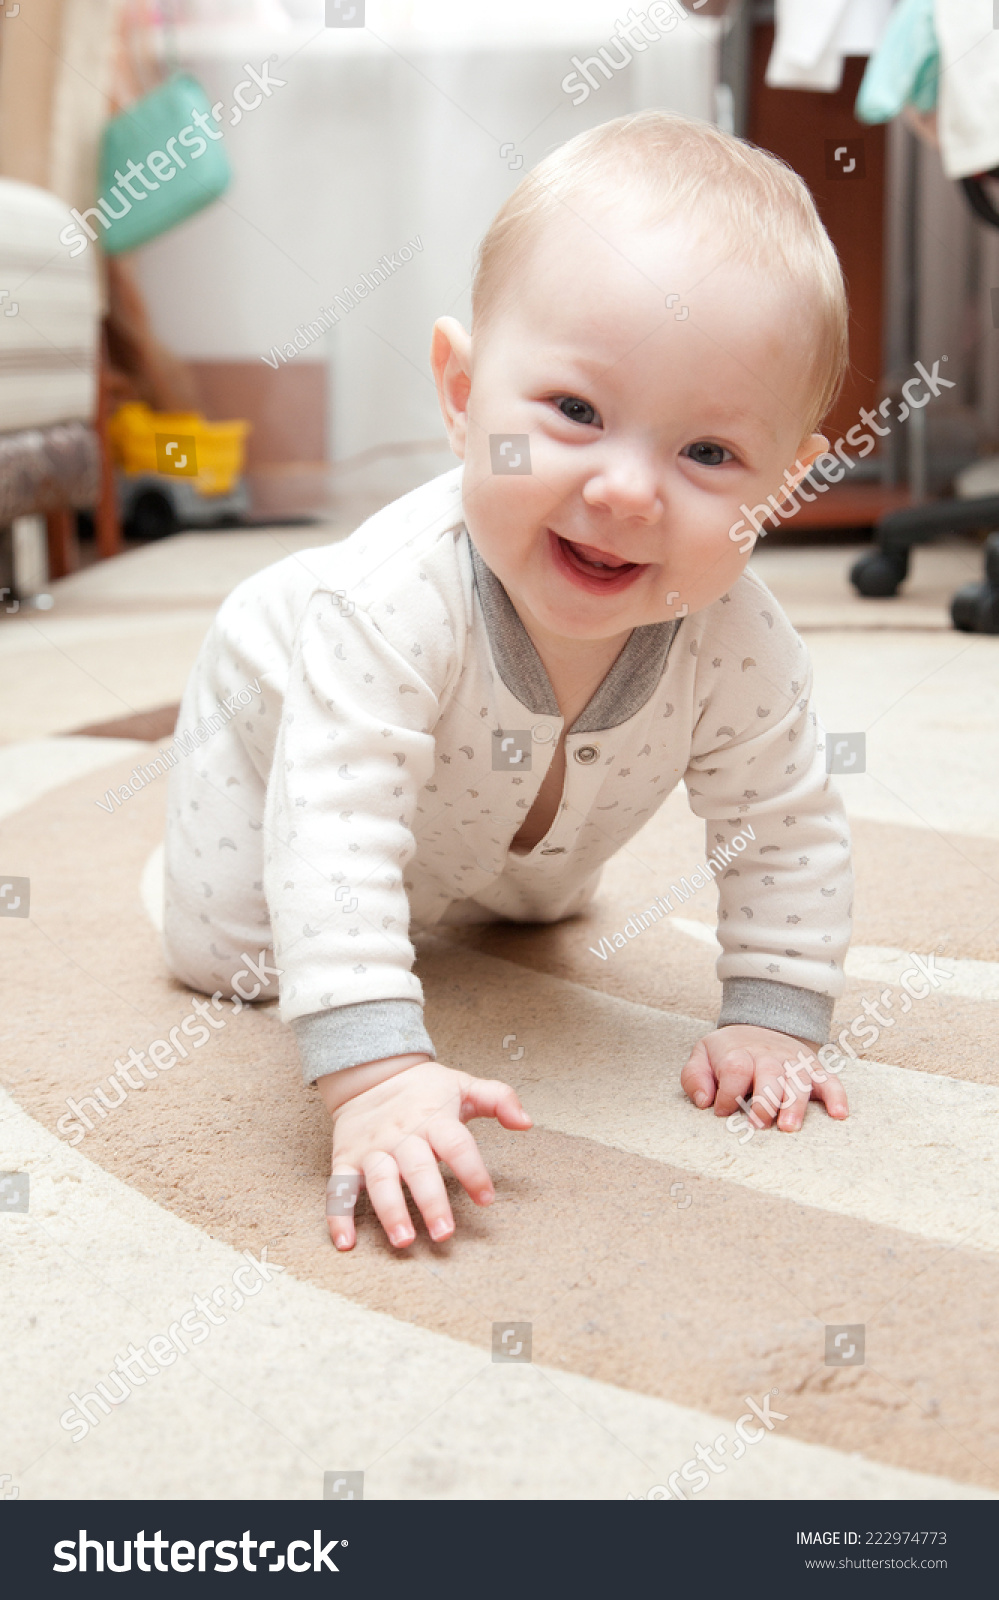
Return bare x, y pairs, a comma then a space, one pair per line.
418, 1165
833, 1094
342, 1191
697, 1078
794, 1097
455, 1145
734, 1070
770, 1092
805, 1081
381, 1176
487, 1097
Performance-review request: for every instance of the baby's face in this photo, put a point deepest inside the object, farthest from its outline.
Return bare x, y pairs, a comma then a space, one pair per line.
648, 429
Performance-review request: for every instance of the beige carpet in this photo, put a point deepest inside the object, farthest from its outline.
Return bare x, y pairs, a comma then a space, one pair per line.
646, 1249
667, 1272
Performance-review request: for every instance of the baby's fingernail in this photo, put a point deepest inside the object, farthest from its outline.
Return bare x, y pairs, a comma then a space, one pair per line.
486, 1197
400, 1235
700, 1098
440, 1228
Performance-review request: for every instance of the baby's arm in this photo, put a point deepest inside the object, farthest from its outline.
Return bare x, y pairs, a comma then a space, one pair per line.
778, 841
392, 1121
355, 750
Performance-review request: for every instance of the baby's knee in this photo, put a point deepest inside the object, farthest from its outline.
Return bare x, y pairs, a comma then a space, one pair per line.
189, 960
257, 980
193, 955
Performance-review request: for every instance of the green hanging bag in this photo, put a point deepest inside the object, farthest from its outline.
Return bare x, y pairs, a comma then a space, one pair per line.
178, 164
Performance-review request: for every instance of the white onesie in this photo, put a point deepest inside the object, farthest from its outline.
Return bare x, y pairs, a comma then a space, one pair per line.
399, 726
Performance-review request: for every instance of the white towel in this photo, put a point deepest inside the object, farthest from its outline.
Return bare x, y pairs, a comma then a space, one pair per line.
813, 37
968, 107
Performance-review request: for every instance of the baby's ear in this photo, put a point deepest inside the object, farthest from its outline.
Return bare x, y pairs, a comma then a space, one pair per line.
809, 450
451, 360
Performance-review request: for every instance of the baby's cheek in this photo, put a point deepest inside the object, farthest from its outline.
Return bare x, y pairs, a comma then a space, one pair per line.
705, 573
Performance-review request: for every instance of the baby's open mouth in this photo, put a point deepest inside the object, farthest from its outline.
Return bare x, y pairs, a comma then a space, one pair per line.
598, 567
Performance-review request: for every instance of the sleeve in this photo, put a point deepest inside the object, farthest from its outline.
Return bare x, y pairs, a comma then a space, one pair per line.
785, 895
354, 750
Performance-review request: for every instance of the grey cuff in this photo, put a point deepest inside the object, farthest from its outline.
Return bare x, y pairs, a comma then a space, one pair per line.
783, 1006
348, 1036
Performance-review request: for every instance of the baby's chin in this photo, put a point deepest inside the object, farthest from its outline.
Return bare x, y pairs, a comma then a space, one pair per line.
595, 621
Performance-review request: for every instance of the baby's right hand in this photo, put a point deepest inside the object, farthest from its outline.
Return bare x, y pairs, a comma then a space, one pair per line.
398, 1129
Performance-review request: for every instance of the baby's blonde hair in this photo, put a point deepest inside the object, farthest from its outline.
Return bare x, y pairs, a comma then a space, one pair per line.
757, 208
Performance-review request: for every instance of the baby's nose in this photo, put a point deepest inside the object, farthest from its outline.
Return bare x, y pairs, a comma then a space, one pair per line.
626, 491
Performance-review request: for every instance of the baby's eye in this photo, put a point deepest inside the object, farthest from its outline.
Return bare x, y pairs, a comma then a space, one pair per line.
707, 454
576, 410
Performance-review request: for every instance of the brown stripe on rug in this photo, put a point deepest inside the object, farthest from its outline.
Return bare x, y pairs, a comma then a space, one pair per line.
151, 725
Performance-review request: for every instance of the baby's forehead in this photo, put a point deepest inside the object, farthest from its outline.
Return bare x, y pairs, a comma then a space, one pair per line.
620, 232
607, 265
666, 287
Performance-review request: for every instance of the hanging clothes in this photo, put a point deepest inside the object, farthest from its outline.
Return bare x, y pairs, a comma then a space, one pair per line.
968, 108
905, 68
813, 37
943, 55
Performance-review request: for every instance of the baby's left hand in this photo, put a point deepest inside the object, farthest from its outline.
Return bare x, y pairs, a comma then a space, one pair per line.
742, 1060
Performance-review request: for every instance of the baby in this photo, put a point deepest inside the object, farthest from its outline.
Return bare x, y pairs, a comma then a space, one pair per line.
463, 710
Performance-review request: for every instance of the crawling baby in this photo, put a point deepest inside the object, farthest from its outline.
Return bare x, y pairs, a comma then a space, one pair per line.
464, 709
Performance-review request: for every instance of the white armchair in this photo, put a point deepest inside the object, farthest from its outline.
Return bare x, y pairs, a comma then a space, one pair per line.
50, 313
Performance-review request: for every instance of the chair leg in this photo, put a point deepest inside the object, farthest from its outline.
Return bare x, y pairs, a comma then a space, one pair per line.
7, 574
64, 552
107, 523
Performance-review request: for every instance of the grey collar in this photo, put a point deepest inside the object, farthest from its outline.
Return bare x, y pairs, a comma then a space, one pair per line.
632, 680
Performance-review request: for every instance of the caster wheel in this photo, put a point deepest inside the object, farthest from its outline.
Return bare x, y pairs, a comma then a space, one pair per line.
975, 608
152, 517
964, 606
878, 574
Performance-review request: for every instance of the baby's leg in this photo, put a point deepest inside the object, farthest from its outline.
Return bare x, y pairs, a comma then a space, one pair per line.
215, 913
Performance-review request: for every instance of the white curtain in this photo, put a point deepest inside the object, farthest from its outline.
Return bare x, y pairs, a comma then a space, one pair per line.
379, 136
